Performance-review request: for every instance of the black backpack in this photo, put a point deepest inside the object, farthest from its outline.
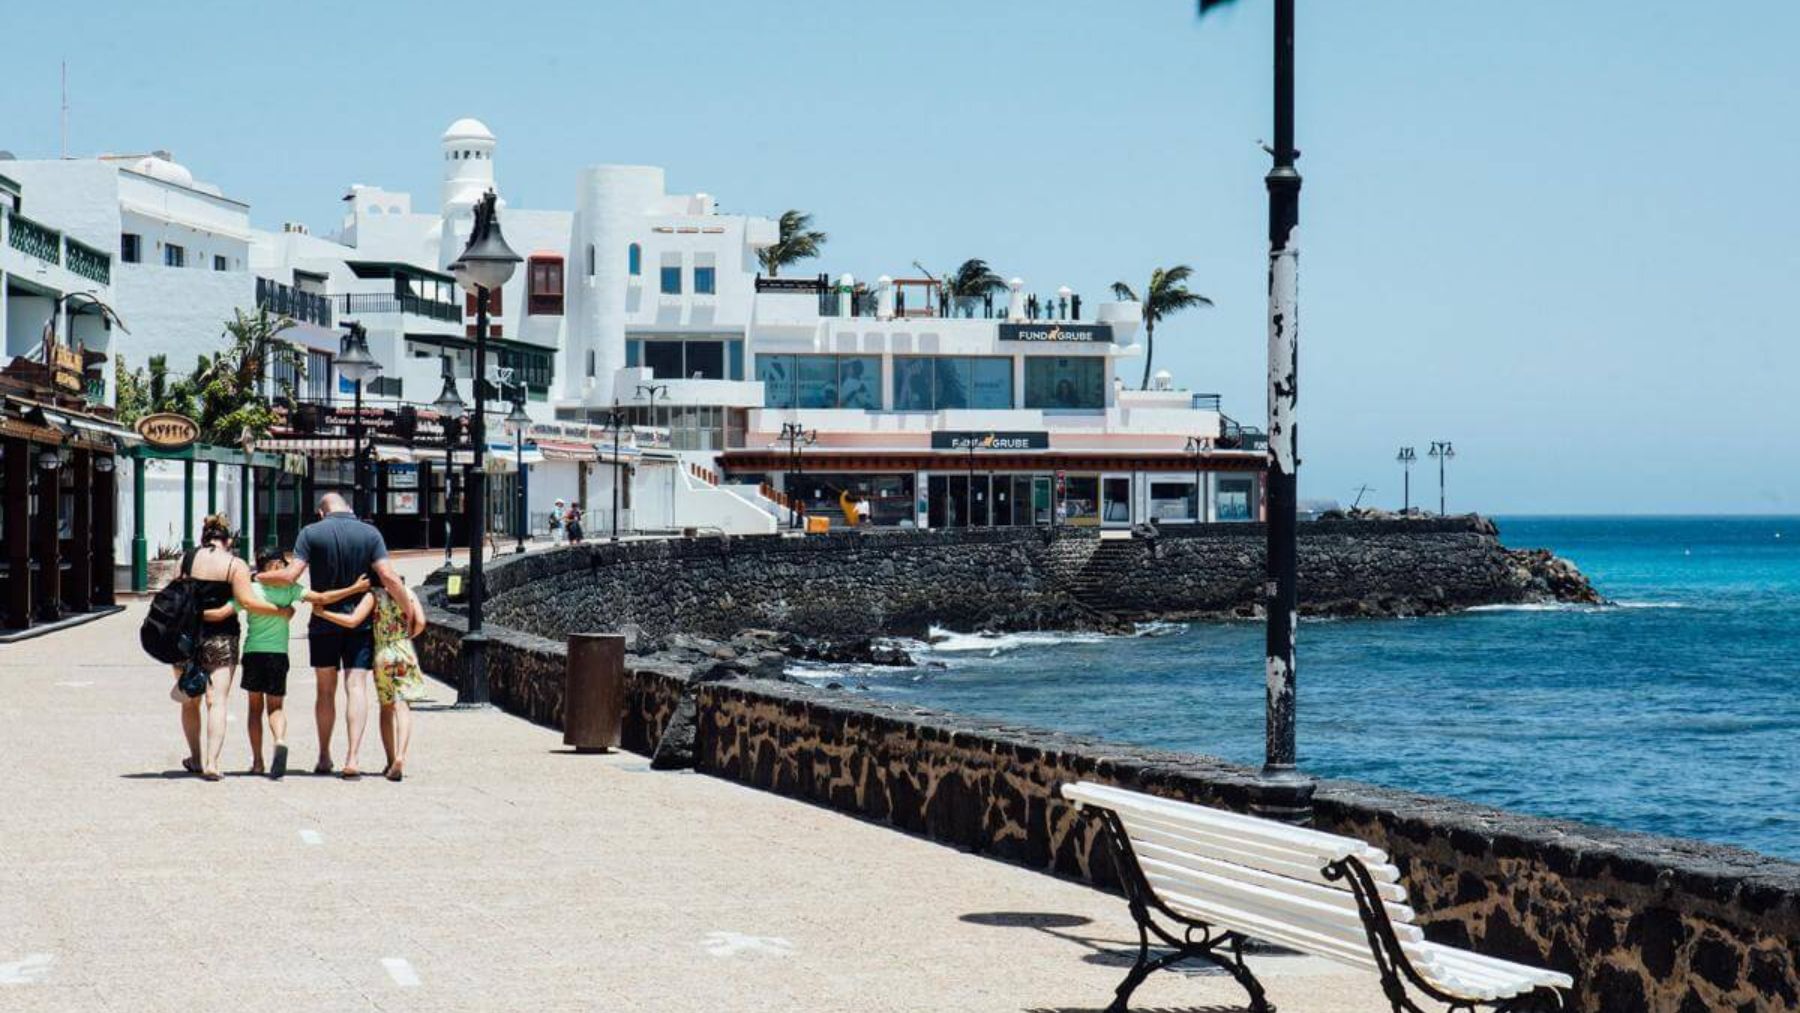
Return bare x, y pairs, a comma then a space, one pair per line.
171, 630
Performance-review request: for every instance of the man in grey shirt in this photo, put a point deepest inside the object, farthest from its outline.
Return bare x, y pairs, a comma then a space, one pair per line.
339, 549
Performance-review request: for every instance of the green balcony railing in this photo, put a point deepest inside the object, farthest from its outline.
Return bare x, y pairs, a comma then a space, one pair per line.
33, 239
89, 262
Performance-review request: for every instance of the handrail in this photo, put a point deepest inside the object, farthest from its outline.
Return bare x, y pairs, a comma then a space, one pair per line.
88, 262
34, 239
351, 303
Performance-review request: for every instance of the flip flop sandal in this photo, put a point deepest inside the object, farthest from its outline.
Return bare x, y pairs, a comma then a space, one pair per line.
351, 774
188, 764
211, 775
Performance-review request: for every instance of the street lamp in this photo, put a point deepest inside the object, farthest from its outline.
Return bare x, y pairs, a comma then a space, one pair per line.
354, 363
1201, 447
1443, 451
450, 407
486, 264
796, 436
1406, 458
519, 421
1282, 792
652, 391
615, 420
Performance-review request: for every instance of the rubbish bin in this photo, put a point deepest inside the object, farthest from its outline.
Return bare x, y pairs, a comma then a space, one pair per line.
594, 697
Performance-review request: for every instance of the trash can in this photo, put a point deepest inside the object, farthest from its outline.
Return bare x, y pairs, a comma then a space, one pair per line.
594, 697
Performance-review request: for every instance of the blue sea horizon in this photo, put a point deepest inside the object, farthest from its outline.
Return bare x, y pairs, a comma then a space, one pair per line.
1673, 711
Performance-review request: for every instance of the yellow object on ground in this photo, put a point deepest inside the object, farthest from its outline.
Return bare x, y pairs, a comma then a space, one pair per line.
818, 525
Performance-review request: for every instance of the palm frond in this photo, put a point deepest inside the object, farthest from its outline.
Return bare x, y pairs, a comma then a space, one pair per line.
1123, 292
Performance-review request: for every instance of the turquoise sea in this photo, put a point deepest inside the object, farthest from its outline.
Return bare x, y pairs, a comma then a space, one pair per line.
1675, 711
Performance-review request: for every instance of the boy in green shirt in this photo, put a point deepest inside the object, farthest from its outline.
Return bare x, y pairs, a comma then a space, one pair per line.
265, 657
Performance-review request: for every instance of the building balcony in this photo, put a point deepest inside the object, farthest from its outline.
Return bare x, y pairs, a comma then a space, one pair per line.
34, 240
287, 301
88, 262
353, 304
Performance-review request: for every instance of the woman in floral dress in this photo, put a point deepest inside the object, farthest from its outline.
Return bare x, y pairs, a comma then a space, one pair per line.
398, 677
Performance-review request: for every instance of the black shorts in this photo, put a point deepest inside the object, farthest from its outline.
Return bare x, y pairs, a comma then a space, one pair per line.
265, 673
342, 649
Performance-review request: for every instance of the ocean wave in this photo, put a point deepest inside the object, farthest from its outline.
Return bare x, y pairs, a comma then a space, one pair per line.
943, 641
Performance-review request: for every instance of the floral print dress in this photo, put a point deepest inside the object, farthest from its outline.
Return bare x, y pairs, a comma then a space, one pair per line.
397, 671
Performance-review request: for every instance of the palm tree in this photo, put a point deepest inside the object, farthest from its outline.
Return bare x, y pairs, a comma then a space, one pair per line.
1166, 296
229, 385
799, 241
973, 280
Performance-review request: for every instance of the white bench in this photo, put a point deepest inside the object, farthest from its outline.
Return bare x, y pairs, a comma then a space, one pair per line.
1216, 878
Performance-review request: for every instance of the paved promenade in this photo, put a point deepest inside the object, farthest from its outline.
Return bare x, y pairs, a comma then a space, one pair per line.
503, 874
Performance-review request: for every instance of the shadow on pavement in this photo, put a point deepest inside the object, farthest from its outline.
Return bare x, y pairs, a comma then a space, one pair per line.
1120, 953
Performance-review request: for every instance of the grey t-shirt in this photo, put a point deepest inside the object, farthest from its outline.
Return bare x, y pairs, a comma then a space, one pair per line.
336, 551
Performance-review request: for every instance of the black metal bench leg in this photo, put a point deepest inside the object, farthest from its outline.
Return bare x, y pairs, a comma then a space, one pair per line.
1139, 971
1240, 972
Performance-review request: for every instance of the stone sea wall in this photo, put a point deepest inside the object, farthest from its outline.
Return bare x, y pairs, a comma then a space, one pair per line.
861, 584
1642, 923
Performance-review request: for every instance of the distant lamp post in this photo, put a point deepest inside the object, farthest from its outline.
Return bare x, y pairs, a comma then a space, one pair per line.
1406, 458
650, 392
615, 420
354, 363
520, 422
796, 436
486, 264
450, 407
1201, 447
1443, 451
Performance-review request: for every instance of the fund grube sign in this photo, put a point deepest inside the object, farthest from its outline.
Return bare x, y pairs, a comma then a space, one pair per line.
949, 439
1055, 330
168, 431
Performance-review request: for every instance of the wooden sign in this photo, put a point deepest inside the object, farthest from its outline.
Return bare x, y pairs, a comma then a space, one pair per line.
168, 431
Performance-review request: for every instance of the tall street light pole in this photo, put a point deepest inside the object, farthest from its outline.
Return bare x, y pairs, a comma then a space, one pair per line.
615, 420
1443, 451
1282, 792
486, 264
1406, 458
796, 436
354, 363
450, 408
1200, 447
520, 422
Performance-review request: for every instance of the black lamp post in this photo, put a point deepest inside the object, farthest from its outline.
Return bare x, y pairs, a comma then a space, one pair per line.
650, 392
1443, 451
450, 407
1406, 458
354, 363
796, 436
615, 420
519, 421
1200, 447
486, 264
1282, 792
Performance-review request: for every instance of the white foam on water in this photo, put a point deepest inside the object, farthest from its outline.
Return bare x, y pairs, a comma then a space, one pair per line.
1570, 606
946, 642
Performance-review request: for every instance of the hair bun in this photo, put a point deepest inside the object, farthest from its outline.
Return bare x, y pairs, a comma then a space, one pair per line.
216, 528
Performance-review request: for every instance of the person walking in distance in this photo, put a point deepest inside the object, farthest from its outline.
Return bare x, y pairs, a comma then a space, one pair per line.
338, 549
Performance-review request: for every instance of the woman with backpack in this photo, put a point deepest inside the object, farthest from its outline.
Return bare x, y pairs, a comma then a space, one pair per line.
221, 584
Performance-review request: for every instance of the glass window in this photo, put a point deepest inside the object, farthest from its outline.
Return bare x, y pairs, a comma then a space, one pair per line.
664, 359
859, 378
1065, 382
953, 382
544, 276
590, 260
131, 247
1173, 501
991, 384
220, 263
705, 360
912, 384
817, 381
705, 280
634, 354
634, 259
671, 279
1081, 499
1232, 503
734, 351
174, 256
777, 375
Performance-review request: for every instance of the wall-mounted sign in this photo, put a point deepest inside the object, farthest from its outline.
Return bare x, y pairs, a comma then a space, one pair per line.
168, 431
954, 440
1055, 330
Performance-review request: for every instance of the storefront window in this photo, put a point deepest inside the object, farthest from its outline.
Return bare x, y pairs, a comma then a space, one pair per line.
934, 383
1065, 382
687, 358
1233, 500
1173, 501
1081, 499
820, 381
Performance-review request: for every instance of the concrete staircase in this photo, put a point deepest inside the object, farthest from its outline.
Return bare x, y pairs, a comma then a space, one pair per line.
1095, 584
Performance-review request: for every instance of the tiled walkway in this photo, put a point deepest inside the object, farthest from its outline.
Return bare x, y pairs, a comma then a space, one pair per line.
503, 874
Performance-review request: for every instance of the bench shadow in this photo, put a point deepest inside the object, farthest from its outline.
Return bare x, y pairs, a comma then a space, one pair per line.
1102, 952
1139, 1009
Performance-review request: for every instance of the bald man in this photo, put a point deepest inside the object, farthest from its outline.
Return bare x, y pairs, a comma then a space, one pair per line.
338, 549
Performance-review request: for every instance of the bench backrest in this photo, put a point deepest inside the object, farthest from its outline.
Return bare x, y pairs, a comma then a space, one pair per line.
1256, 876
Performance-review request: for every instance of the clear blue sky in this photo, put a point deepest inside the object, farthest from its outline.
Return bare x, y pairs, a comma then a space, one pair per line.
1560, 234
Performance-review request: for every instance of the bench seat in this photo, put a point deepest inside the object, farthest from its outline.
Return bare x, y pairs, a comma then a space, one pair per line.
1332, 896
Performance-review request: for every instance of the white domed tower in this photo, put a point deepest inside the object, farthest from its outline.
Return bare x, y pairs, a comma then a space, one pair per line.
468, 165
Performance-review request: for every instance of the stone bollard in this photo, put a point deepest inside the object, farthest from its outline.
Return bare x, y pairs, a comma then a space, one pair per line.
594, 698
